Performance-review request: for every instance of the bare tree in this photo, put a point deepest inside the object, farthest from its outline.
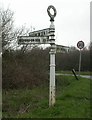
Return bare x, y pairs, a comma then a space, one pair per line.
6, 23
22, 31
8, 33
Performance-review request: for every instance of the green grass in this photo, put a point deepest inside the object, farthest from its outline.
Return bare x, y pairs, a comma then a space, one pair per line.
0, 103
70, 72
72, 100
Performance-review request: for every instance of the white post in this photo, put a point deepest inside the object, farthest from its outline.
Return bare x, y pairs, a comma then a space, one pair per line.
52, 56
52, 78
52, 67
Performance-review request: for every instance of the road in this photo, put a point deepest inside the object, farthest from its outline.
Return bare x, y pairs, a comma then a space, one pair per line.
84, 76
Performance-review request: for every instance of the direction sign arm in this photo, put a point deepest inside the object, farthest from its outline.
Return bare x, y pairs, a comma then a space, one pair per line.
62, 49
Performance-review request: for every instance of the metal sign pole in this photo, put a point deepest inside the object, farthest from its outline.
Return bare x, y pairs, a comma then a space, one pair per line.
80, 63
80, 45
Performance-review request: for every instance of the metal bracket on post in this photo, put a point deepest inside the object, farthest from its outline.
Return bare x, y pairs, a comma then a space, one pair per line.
52, 57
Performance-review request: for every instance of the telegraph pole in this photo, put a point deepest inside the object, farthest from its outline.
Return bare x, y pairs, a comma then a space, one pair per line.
52, 57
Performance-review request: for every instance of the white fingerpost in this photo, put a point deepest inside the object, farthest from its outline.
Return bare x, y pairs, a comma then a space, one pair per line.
52, 66
38, 37
52, 77
52, 57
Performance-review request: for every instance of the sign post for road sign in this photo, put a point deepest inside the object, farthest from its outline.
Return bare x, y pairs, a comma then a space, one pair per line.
45, 36
80, 45
52, 57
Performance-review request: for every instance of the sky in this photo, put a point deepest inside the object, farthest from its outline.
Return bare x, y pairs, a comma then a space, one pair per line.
72, 22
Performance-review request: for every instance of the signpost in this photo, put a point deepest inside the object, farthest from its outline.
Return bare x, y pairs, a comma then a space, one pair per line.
62, 49
33, 40
40, 33
52, 57
80, 45
46, 36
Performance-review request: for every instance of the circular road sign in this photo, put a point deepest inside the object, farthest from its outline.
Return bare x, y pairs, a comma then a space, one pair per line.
49, 12
80, 44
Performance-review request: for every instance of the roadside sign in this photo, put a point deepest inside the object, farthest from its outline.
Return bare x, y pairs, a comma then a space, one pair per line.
34, 40
80, 44
45, 36
40, 33
62, 49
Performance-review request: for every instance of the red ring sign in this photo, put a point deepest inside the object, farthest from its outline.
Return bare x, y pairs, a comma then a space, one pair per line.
80, 44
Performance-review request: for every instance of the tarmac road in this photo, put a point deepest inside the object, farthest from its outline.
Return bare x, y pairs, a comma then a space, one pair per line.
84, 76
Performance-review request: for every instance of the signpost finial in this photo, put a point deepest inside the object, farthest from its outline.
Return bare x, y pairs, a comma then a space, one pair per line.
49, 12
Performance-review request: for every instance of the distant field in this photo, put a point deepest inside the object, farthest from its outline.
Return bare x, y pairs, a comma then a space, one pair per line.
72, 100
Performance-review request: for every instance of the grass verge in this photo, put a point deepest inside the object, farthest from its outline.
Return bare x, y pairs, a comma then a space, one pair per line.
70, 72
72, 100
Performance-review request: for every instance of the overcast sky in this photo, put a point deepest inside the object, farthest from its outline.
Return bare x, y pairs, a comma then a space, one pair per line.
72, 21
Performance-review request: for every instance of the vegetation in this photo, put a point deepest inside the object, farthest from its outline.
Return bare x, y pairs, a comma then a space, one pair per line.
71, 60
25, 78
72, 100
24, 70
77, 72
31, 68
8, 32
0, 103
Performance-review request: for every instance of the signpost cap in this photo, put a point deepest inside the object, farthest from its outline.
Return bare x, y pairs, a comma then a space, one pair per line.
49, 13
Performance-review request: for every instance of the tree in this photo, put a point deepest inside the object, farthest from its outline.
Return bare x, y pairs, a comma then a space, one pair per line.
8, 32
90, 48
6, 27
25, 70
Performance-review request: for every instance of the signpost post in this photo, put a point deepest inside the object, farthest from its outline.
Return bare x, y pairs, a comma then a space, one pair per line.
45, 36
80, 45
52, 57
